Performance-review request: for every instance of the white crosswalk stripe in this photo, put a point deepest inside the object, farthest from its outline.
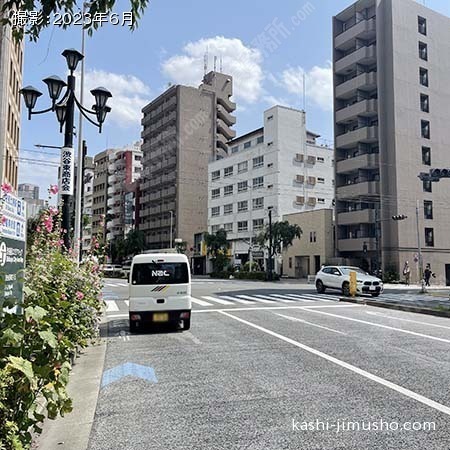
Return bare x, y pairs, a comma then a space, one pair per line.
111, 306
238, 300
217, 300
299, 297
254, 299
200, 302
317, 297
127, 302
264, 299
283, 298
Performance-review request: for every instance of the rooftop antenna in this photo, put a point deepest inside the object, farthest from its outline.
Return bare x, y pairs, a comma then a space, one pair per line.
304, 91
221, 64
205, 63
215, 63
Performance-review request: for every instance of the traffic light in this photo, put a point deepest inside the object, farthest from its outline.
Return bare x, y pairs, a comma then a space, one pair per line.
400, 217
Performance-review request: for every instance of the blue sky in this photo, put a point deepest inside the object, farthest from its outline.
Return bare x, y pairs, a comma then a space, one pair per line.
264, 45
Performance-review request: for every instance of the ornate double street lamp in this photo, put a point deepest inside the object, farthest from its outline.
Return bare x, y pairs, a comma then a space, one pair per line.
65, 111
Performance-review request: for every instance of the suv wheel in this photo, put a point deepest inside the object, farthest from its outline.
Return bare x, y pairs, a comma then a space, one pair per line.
346, 289
320, 287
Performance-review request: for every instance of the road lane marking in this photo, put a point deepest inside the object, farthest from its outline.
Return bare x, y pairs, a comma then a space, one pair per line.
127, 302
200, 302
295, 319
283, 298
395, 387
111, 306
235, 299
408, 320
217, 300
426, 336
318, 297
256, 298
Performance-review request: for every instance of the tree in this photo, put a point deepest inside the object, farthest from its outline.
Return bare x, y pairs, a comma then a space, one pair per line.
134, 242
217, 246
283, 234
117, 250
50, 10
181, 247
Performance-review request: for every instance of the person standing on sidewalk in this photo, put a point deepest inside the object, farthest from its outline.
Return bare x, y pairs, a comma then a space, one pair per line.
427, 275
407, 273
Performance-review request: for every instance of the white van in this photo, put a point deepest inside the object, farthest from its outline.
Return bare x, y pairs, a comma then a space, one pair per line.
160, 290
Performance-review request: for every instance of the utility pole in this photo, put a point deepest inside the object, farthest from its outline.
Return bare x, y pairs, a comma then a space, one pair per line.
270, 267
171, 224
419, 248
377, 242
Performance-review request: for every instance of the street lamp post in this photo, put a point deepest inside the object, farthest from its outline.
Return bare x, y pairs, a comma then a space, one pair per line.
65, 111
171, 226
270, 267
419, 249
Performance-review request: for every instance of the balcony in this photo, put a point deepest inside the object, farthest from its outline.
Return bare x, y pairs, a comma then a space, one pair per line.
364, 108
170, 178
110, 202
356, 245
222, 142
227, 104
170, 192
223, 114
355, 217
169, 162
361, 56
350, 139
367, 161
364, 82
364, 29
223, 128
363, 189
155, 196
111, 190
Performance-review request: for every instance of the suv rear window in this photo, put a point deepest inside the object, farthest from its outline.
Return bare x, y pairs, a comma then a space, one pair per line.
160, 273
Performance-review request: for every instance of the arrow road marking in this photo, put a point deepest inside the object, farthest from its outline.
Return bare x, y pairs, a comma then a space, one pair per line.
128, 369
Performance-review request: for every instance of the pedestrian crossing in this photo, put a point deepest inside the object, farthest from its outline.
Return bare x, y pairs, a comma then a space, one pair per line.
116, 305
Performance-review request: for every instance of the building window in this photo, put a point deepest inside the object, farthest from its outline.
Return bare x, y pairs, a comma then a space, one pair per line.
228, 190
215, 211
427, 186
312, 237
215, 229
215, 193
215, 175
242, 226
428, 209
258, 203
320, 159
243, 167
290, 263
424, 103
426, 156
228, 171
258, 182
242, 186
228, 227
321, 180
258, 224
235, 149
423, 76
228, 209
260, 140
321, 200
248, 144
422, 22
425, 129
243, 206
423, 51
258, 162
269, 117
429, 237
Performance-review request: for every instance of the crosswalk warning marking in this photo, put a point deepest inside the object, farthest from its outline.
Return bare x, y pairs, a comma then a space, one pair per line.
200, 302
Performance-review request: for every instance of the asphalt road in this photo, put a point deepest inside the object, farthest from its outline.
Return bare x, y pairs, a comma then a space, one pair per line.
262, 362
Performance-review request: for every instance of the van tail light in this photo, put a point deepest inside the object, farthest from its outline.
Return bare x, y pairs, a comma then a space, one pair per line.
185, 315
135, 317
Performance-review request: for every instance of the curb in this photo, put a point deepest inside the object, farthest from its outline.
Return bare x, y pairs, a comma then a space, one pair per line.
400, 307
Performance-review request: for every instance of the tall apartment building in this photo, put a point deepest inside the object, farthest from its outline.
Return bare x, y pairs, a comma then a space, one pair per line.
88, 188
280, 167
100, 194
125, 166
30, 193
183, 130
11, 64
392, 91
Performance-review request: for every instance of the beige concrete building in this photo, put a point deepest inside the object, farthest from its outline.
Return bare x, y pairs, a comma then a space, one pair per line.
316, 246
391, 113
183, 130
11, 63
100, 194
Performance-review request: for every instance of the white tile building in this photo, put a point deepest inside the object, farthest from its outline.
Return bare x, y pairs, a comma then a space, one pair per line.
278, 166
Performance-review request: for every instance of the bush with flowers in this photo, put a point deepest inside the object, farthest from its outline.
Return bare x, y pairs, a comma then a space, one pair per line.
61, 311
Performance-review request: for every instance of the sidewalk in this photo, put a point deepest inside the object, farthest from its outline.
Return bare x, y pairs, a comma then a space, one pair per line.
72, 431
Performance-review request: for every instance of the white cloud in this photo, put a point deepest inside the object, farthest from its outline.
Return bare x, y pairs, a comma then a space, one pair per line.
129, 95
319, 84
241, 62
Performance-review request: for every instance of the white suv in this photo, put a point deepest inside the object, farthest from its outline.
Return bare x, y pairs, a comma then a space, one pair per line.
338, 277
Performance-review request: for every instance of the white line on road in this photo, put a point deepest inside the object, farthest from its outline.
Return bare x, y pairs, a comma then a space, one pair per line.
382, 326
111, 306
200, 302
235, 299
282, 298
408, 320
127, 302
217, 300
295, 319
298, 297
256, 298
264, 298
318, 297
395, 387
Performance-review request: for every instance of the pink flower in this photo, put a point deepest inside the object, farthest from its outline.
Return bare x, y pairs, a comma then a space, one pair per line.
4, 219
38, 229
96, 245
6, 188
53, 189
63, 297
53, 211
79, 295
48, 223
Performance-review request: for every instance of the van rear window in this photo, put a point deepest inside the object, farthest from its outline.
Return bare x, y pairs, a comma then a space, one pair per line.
160, 273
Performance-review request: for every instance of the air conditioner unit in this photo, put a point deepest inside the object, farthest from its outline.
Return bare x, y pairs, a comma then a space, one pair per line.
300, 178
299, 157
300, 200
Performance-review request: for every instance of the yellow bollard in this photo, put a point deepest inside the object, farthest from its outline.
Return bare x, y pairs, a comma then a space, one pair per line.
352, 283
